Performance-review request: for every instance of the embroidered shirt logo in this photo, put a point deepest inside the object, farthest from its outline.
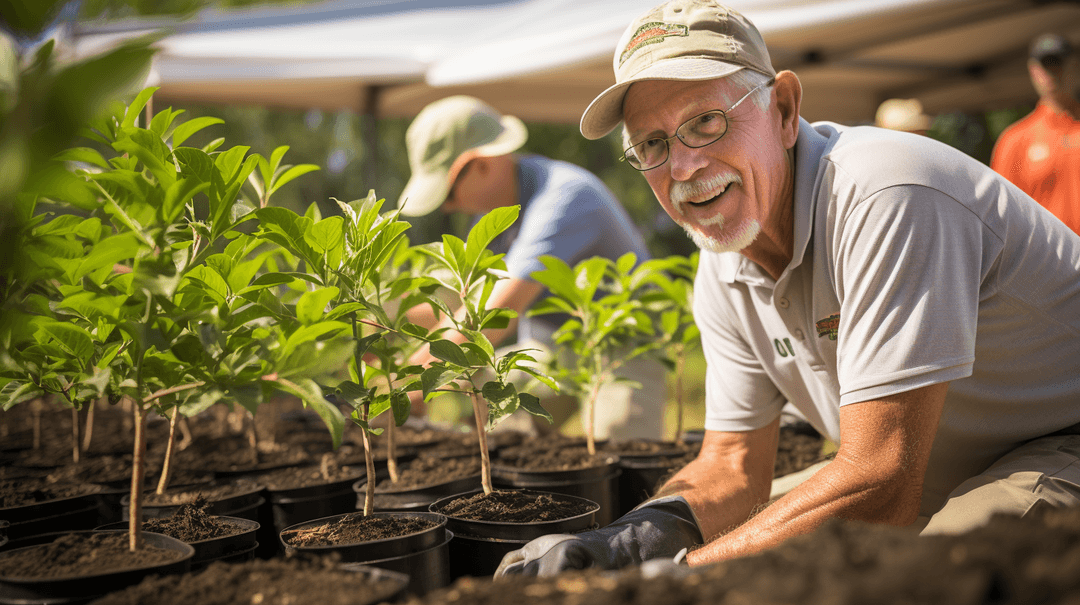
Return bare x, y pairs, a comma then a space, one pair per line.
651, 33
829, 326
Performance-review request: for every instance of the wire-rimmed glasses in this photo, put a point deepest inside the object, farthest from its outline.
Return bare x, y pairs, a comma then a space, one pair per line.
699, 131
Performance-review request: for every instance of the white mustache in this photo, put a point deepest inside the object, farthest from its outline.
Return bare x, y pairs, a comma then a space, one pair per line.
683, 192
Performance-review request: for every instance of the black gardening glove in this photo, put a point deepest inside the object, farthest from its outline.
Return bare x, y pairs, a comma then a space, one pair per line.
660, 528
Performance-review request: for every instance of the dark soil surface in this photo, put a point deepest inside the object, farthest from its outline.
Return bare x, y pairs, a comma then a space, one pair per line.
212, 492
307, 476
551, 454
191, 523
426, 470
455, 444
644, 447
82, 554
1011, 561
24, 491
355, 528
797, 450
272, 582
234, 455
514, 507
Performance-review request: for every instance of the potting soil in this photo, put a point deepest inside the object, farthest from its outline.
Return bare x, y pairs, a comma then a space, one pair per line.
23, 491
1011, 561
271, 582
191, 523
515, 507
355, 528
83, 554
428, 470
212, 493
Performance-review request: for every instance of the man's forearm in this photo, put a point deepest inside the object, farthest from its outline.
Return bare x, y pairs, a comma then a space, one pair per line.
835, 491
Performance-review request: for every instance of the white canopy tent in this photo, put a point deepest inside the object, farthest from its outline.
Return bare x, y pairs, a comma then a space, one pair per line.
544, 60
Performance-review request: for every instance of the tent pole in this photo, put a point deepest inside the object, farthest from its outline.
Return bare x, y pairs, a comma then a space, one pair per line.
369, 134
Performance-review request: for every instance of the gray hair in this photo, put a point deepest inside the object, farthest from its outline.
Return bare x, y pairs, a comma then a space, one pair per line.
744, 79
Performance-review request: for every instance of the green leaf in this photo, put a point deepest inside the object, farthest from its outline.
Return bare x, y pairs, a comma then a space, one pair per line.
195, 162
108, 252
449, 352
488, 228
16, 392
85, 155
290, 174
190, 127
75, 341
531, 404
401, 406
503, 396
326, 234
312, 305
178, 195
437, 376
134, 111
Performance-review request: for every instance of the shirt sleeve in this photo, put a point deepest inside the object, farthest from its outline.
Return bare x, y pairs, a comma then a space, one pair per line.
739, 395
908, 270
564, 221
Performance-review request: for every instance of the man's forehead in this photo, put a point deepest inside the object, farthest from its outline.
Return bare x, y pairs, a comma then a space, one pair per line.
657, 98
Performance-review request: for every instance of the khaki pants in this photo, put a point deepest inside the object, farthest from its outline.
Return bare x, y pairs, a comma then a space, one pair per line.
623, 410
1041, 473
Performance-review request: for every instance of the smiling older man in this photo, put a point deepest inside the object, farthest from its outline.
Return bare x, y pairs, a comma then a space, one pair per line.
916, 307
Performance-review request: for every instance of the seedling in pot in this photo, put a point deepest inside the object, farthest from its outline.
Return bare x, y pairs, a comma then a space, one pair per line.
607, 327
344, 259
470, 271
671, 295
178, 324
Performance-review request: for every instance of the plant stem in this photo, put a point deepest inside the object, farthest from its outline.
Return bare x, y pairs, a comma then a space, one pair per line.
480, 412
680, 364
166, 467
253, 439
75, 435
89, 432
137, 475
36, 410
369, 463
391, 438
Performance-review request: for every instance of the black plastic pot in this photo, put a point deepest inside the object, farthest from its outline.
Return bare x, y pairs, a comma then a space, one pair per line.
74, 513
413, 499
479, 546
642, 471
83, 589
599, 484
236, 547
295, 505
423, 556
244, 505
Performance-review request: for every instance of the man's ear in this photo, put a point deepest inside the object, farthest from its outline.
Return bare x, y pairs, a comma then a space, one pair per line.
788, 92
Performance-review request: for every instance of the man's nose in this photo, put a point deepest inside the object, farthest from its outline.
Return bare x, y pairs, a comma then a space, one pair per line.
684, 162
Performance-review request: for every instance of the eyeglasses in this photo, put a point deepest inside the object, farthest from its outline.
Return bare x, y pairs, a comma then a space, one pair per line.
699, 131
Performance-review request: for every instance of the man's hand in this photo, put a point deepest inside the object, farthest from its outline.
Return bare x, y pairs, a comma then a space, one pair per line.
660, 528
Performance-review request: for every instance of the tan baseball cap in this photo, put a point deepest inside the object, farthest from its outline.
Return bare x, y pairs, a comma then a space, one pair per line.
902, 114
677, 40
444, 136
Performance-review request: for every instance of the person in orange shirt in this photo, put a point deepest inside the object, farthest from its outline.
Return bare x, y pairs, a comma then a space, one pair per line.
1041, 152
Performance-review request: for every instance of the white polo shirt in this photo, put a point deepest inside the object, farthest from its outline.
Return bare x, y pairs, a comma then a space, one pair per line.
913, 264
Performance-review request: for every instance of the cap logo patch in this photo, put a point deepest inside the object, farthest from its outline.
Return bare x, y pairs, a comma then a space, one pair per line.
651, 33
829, 326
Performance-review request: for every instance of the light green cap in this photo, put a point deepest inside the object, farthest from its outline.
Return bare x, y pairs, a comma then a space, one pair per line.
443, 137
